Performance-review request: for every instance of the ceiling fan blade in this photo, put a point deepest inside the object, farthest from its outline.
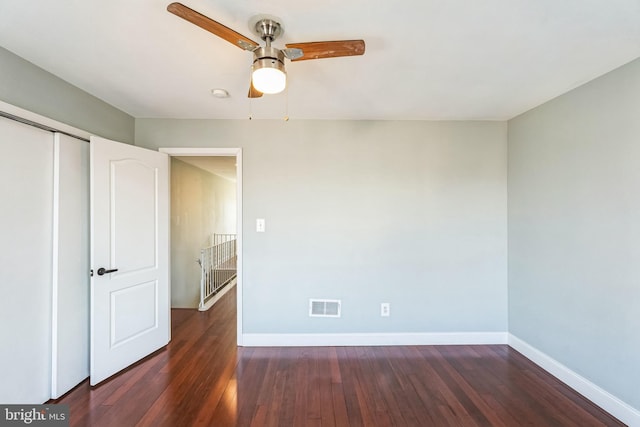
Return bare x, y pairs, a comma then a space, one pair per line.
253, 92
331, 49
212, 26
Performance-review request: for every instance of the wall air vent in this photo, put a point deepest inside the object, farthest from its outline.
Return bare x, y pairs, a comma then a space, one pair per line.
324, 307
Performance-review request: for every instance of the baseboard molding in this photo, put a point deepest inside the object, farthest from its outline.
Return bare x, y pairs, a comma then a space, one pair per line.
619, 409
374, 339
207, 305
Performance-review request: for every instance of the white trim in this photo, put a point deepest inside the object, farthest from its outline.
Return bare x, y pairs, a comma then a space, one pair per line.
237, 152
37, 118
616, 407
200, 152
54, 265
240, 259
374, 339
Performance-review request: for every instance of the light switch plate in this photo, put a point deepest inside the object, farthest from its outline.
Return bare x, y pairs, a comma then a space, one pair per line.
385, 309
260, 225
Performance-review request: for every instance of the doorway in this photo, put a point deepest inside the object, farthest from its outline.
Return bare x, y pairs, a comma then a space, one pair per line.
203, 229
235, 153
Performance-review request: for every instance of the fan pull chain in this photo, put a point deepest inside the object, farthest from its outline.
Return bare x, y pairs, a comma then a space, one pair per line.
286, 103
250, 101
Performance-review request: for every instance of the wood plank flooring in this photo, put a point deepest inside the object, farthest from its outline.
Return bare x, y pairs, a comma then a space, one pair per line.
203, 379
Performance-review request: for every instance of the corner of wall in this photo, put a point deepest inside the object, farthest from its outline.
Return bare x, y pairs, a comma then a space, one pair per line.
616, 407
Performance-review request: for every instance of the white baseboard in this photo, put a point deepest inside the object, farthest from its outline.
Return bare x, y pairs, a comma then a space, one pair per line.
375, 339
616, 407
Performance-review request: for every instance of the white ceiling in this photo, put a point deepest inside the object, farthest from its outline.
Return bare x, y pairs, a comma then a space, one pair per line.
425, 59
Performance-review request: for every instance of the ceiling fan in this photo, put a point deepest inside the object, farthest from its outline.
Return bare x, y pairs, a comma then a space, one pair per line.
268, 73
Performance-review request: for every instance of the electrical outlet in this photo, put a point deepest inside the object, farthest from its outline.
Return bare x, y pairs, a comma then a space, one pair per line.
385, 309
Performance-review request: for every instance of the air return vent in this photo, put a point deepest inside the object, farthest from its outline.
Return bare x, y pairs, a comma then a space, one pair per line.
324, 307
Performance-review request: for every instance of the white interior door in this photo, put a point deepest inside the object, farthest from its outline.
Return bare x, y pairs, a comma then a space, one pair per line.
130, 308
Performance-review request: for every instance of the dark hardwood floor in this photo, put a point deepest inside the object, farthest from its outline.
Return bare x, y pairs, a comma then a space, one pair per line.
203, 379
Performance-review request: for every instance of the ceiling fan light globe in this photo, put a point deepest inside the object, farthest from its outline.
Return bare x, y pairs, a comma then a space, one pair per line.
269, 80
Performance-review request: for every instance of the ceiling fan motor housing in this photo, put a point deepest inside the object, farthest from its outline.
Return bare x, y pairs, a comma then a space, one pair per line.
268, 57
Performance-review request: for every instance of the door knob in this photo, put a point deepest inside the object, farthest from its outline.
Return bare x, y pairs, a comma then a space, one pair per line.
102, 271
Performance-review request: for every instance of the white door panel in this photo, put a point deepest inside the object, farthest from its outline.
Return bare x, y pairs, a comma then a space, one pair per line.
70, 290
130, 312
26, 195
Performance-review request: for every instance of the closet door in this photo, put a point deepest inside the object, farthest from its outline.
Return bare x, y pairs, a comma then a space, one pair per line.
26, 194
70, 298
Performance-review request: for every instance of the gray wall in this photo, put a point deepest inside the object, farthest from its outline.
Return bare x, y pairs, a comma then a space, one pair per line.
201, 204
27, 86
574, 230
411, 213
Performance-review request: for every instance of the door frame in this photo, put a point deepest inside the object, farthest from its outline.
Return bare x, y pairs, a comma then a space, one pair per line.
222, 152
